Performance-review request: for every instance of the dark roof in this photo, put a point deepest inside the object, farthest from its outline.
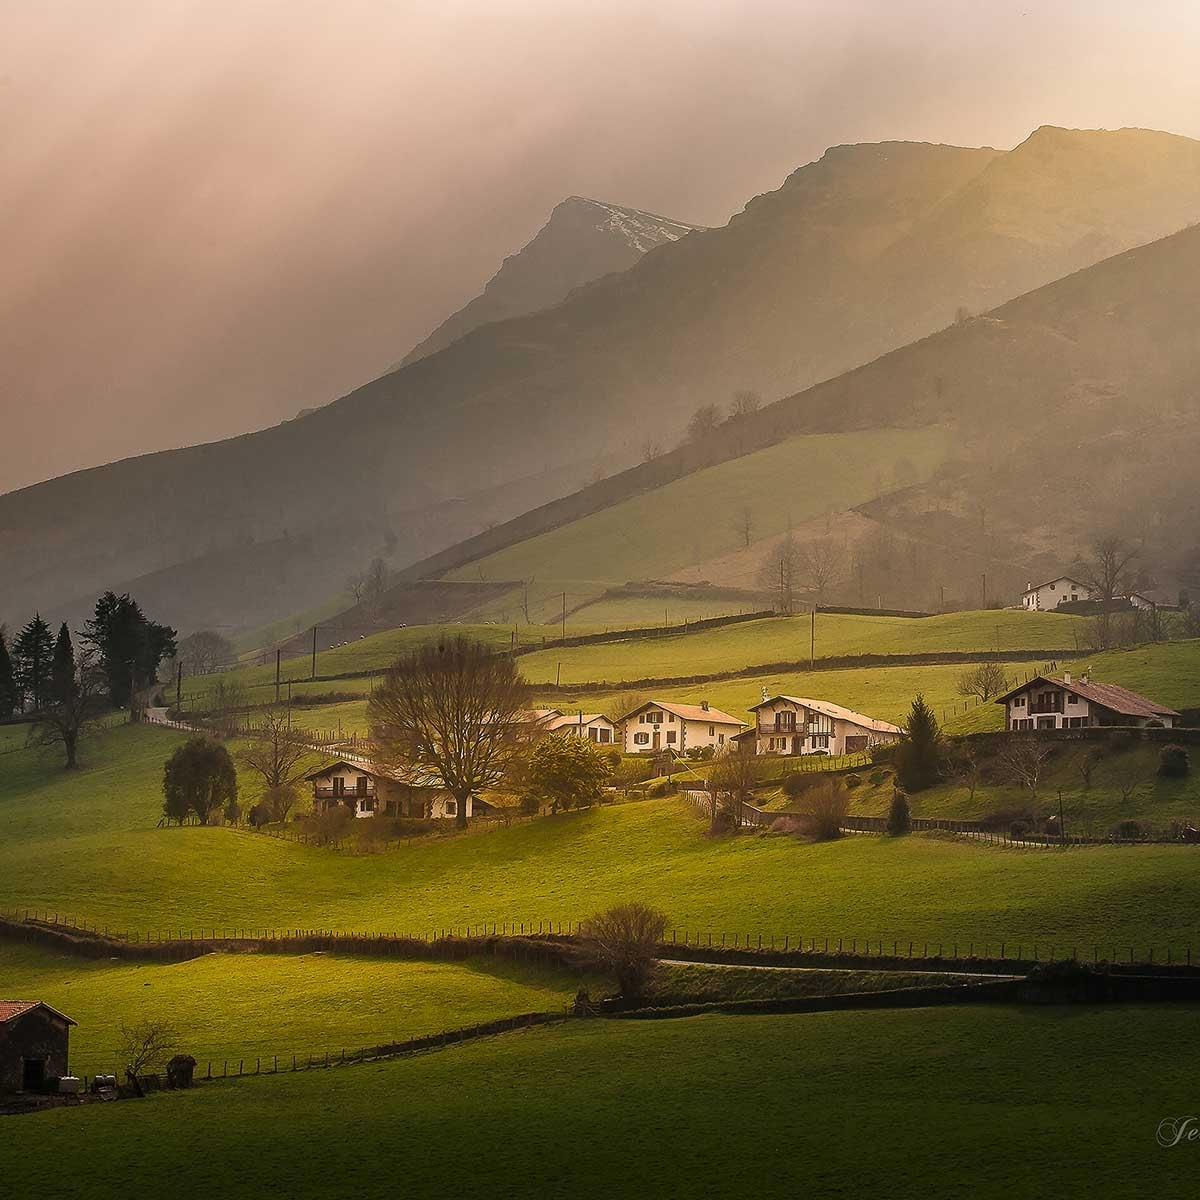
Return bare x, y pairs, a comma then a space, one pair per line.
10, 1010
1056, 579
414, 777
1107, 695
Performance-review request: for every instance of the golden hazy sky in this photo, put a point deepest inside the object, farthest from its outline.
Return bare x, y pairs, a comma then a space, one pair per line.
215, 214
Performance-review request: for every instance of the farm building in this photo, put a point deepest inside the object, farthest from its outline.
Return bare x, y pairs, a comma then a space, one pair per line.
594, 726
1048, 596
1049, 702
34, 1045
657, 726
367, 790
798, 725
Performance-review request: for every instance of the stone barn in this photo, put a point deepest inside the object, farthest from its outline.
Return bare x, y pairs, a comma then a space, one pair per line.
34, 1044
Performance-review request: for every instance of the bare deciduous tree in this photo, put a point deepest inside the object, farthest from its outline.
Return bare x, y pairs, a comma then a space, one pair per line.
745, 524
819, 565
731, 781
704, 422
456, 709
984, 681
145, 1048
967, 768
72, 710
376, 583
204, 652
1023, 760
651, 450
356, 581
745, 401
1107, 572
624, 940
277, 753
825, 808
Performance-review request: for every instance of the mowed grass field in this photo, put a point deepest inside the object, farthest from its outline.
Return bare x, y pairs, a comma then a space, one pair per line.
697, 518
790, 639
244, 1006
924, 1103
85, 845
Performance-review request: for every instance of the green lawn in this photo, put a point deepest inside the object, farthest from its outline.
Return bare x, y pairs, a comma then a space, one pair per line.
697, 518
639, 612
242, 1006
789, 639
927, 1103
86, 845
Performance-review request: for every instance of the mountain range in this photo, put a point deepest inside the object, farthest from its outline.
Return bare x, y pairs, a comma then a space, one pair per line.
862, 252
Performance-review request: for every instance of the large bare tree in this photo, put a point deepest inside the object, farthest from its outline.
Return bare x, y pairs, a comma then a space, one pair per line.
984, 681
820, 564
457, 709
277, 752
1108, 573
731, 781
74, 708
1023, 760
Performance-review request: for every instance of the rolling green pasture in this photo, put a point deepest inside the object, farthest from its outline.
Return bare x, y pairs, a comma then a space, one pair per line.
928, 1103
85, 845
697, 518
1090, 811
783, 639
639, 612
242, 1006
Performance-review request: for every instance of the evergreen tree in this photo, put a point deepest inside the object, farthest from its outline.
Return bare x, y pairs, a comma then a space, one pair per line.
8, 685
899, 816
198, 778
62, 668
129, 645
33, 650
919, 756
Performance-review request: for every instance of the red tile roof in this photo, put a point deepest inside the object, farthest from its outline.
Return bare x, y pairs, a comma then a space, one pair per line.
11, 1009
1107, 695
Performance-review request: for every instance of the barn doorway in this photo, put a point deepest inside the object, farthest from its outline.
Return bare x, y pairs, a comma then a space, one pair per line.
33, 1074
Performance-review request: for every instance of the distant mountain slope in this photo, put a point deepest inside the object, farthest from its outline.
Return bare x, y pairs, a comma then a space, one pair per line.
1068, 412
583, 240
838, 266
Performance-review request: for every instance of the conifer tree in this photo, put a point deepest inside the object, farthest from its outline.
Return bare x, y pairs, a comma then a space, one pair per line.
33, 650
62, 668
8, 685
129, 645
919, 756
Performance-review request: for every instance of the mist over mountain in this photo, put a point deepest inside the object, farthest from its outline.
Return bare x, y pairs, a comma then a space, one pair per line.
583, 240
865, 250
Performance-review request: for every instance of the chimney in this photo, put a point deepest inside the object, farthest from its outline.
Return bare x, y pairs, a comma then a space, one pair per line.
1067, 678
704, 705
1084, 677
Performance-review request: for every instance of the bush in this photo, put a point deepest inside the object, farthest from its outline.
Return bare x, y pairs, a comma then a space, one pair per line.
826, 808
1173, 762
529, 806
1018, 829
1129, 831
613, 758
899, 820
852, 780
795, 785
877, 776
884, 752
662, 788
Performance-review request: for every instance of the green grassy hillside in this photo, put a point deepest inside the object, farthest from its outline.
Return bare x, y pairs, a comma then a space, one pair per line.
1061, 1100
242, 1006
86, 845
696, 517
781, 639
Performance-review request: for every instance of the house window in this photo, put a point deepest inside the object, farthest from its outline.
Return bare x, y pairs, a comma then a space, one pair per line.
1075, 722
1074, 700
1019, 702
712, 729
820, 741
653, 718
787, 720
671, 736
452, 808
1024, 723
721, 740
641, 739
605, 736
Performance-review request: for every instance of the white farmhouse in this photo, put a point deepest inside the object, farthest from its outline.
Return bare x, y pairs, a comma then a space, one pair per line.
678, 727
1049, 702
368, 790
1046, 597
798, 725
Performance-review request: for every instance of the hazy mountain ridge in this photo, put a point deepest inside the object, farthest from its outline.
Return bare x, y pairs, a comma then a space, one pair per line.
583, 240
830, 271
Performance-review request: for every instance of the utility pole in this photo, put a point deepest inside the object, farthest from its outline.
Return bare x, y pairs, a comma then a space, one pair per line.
564, 616
1062, 826
985, 589
558, 676
812, 640
314, 653
942, 602
178, 685
278, 660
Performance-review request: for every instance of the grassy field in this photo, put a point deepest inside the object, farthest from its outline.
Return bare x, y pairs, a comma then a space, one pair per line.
637, 612
241, 1006
784, 639
1088, 810
86, 845
924, 1103
696, 518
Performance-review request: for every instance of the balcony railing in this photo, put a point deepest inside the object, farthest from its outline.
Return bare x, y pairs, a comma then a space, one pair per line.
328, 793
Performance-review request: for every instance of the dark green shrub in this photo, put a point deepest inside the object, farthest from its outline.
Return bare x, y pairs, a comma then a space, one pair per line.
899, 820
795, 785
884, 752
1173, 762
1018, 829
529, 806
853, 781
877, 776
662, 788
1129, 831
